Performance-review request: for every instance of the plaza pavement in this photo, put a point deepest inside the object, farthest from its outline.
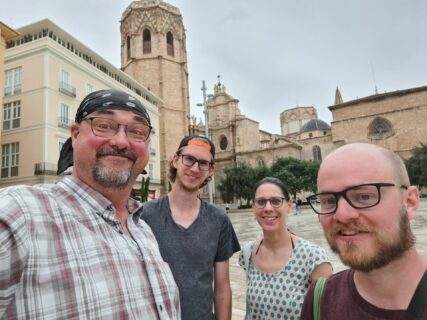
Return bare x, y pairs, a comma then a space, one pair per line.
305, 226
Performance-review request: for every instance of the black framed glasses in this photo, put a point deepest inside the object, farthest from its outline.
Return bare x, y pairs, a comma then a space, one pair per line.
108, 128
275, 202
360, 197
189, 161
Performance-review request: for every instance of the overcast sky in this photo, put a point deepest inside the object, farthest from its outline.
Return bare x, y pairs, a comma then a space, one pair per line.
272, 55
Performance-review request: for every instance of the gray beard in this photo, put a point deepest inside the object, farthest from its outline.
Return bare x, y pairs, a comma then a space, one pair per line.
110, 178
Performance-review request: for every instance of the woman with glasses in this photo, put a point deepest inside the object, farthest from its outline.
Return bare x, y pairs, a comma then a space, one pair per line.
280, 266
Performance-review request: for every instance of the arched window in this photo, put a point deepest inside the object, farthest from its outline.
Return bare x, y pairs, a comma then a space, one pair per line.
380, 128
128, 47
223, 142
169, 44
146, 41
317, 153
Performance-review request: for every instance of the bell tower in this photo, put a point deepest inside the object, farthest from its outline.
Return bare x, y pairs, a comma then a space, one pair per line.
153, 52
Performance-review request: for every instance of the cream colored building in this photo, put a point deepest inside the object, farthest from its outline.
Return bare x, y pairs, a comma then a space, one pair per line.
6, 34
48, 72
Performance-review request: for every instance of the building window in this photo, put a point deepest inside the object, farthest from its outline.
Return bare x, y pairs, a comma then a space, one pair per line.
64, 116
65, 84
261, 163
12, 115
89, 88
151, 171
9, 160
146, 41
169, 44
128, 48
12, 81
223, 142
317, 153
380, 128
310, 135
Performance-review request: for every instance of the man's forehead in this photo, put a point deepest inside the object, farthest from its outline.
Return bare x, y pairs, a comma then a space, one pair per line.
118, 112
197, 151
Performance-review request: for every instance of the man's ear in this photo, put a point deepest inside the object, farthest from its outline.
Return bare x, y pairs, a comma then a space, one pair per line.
412, 201
174, 160
74, 132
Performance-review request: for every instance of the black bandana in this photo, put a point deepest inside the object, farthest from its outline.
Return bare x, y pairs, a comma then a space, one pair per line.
103, 99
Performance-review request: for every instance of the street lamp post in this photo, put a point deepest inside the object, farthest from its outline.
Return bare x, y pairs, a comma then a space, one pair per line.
205, 111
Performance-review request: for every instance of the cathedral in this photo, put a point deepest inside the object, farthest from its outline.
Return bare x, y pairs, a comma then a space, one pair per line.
154, 53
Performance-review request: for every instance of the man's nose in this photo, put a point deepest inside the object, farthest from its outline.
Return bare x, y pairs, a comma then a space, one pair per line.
345, 212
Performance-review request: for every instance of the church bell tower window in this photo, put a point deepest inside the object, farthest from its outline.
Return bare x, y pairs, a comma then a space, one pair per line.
169, 44
128, 47
146, 41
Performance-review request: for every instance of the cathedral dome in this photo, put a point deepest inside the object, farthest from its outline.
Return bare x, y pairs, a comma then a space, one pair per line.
315, 124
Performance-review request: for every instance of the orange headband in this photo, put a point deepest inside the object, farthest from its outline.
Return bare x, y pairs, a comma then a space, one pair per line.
200, 143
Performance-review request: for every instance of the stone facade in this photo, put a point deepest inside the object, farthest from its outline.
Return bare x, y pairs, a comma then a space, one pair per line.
153, 51
395, 120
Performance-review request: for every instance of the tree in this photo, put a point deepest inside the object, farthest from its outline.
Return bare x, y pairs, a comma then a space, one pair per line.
145, 187
417, 166
237, 183
297, 175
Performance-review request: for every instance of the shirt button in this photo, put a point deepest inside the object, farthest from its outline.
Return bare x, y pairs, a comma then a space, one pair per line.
161, 307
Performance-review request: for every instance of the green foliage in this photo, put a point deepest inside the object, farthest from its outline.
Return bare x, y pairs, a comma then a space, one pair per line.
145, 186
238, 183
297, 175
417, 166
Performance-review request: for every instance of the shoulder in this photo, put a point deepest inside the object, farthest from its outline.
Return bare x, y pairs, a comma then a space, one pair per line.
153, 206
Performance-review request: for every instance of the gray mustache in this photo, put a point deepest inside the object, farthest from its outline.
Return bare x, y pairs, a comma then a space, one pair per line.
116, 152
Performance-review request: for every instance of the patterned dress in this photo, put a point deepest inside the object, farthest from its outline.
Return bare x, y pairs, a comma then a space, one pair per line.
280, 295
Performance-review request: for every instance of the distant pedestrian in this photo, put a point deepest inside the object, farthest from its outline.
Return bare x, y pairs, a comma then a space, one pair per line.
299, 206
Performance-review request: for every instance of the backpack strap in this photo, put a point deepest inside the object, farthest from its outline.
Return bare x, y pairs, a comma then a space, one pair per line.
318, 290
418, 301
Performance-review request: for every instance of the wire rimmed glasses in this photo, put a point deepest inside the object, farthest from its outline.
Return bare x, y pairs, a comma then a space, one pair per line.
275, 202
108, 128
360, 197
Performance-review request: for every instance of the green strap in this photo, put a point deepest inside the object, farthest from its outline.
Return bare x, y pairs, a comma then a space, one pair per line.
318, 289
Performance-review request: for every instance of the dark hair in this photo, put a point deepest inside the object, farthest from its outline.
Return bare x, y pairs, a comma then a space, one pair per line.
276, 182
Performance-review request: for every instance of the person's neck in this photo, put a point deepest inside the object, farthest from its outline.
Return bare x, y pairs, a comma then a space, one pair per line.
182, 199
392, 286
118, 197
277, 240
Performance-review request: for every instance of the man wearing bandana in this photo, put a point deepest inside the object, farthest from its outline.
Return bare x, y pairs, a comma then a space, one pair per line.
195, 238
78, 249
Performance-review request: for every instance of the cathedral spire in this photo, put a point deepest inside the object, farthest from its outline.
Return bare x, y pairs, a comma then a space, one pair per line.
338, 97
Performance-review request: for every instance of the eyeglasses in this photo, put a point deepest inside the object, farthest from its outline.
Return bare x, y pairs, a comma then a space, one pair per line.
189, 161
108, 128
275, 202
360, 197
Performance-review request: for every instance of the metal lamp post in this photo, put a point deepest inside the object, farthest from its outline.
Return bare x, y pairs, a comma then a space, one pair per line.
205, 111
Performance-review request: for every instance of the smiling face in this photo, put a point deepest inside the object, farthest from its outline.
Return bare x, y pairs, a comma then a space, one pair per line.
191, 178
369, 238
108, 162
271, 219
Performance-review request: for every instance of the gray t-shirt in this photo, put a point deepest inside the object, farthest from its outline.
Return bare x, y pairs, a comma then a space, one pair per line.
192, 252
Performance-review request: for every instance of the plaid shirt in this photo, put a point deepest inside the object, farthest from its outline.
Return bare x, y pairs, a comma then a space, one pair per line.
64, 255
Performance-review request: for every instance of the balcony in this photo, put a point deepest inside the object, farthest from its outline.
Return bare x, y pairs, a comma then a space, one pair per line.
45, 168
64, 122
67, 89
